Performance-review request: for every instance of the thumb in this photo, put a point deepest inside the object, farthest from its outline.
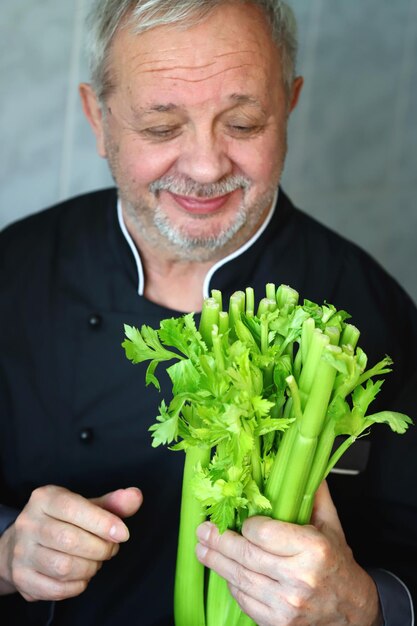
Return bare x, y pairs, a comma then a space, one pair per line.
122, 502
324, 514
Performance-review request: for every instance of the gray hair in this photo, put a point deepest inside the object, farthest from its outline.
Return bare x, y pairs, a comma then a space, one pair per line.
106, 16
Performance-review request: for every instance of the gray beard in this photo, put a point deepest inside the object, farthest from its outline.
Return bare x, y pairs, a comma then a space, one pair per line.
196, 248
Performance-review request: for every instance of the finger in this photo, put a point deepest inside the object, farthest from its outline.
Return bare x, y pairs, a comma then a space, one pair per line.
74, 541
324, 511
64, 567
34, 586
258, 611
122, 502
279, 538
247, 581
238, 548
61, 504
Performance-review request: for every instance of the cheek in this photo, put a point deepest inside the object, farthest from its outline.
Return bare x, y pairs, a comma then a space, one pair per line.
143, 164
261, 161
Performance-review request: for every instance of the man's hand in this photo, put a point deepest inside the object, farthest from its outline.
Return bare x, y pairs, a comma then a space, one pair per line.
60, 540
287, 575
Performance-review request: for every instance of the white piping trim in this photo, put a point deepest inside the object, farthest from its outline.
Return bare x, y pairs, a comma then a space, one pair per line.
135, 252
407, 592
240, 250
345, 472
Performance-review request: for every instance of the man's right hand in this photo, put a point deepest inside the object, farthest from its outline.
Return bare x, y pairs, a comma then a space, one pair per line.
60, 541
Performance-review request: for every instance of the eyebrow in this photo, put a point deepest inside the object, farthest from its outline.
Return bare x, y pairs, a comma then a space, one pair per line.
138, 114
162, 108
236, 98
245, 99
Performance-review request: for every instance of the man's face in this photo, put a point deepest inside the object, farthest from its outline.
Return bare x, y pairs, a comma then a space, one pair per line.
195, 131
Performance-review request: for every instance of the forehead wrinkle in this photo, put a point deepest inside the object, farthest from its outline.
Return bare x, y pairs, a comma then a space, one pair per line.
197, 80
165, 61
140, 63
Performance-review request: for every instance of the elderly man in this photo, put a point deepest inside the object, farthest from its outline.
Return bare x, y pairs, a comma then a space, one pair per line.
189, 103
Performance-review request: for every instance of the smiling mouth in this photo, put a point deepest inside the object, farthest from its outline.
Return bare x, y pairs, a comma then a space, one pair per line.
196, 205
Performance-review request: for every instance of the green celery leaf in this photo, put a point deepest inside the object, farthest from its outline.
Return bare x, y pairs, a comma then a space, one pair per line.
363, 396
261, 406
144, 345
184, 376
150, 377
257, 503
151, 338
339, 412
289, 327
268, 440
269, 425
166, 429
325, 315
253, 324
341, 361
242, 446
213, 381
221, 498
398, 422
244, 334
182, 334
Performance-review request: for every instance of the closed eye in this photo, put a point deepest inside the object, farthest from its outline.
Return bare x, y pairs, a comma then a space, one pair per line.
161, 133
244, 130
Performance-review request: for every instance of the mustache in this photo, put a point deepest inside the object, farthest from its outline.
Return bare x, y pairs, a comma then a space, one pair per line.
188, 187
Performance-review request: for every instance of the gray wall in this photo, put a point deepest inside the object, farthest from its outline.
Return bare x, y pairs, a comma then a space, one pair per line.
353, 139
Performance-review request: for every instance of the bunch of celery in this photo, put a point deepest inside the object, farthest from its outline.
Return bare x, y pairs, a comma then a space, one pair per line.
260, 392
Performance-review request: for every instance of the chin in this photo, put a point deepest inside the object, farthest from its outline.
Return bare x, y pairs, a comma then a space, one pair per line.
205, 247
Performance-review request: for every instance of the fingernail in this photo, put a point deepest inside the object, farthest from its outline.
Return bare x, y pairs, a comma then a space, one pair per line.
119, 533
204, 530
200, 551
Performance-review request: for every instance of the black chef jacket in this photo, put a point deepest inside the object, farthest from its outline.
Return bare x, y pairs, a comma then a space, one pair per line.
74, 412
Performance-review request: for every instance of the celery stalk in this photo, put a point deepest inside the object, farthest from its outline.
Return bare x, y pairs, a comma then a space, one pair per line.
286, 505
318, 400
350, 336
250, 301
223, 322
209, 318
270, 291
189, 575
286, 297
219, 605
222, 608
286, 485
218, 297
244, 620
310, 362
317, 471
265, 305
236, 308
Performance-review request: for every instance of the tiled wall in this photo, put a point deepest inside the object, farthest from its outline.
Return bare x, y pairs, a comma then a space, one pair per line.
353, 139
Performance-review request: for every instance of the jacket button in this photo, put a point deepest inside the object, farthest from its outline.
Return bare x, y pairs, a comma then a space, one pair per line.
95, 321
86, 435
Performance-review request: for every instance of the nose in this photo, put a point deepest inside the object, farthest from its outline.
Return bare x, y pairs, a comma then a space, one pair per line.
204, 157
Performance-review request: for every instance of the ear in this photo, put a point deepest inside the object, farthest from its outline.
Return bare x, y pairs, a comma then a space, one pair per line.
295, 92
94, 115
